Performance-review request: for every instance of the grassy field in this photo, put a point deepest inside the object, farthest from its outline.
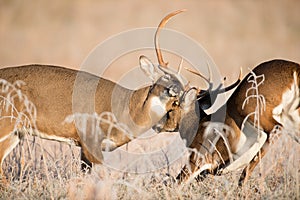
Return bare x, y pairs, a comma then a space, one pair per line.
235, 34
51, 171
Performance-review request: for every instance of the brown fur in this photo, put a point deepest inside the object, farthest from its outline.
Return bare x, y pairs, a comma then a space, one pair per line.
53, 91
278, 79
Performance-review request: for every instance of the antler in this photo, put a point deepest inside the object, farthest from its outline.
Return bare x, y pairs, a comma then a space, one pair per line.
219, 90
230, 87
180, 66
202, 76
160, 26
198, 74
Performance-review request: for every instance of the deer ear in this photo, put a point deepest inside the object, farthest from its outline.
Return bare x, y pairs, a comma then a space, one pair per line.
189, 98
149, 69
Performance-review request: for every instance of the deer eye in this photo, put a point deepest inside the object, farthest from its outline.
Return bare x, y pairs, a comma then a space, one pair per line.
175, 103
166, 77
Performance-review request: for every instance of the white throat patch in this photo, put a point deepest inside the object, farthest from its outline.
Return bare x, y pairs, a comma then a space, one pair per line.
157, 107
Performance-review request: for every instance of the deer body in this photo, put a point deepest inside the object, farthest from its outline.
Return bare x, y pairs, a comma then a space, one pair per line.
51, 89
280, 77
280, 90
40, 99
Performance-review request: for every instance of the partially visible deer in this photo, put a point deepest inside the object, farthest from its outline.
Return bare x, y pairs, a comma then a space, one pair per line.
36, 100
266, 99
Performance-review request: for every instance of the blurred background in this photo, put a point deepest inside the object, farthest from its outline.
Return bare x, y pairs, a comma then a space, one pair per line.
234, 33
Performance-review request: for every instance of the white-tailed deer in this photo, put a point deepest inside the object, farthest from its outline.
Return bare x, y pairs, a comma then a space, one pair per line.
36, 99
266, 99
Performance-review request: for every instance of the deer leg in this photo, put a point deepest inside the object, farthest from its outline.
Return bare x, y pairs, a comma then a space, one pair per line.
247, 171
182, 176
194, 158
86, 165
187, 171
7, 143
200, 167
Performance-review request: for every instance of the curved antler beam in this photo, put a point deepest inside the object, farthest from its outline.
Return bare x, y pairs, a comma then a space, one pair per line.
160, 26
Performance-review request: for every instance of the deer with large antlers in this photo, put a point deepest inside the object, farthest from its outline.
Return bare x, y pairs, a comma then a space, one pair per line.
265, 100
37, 99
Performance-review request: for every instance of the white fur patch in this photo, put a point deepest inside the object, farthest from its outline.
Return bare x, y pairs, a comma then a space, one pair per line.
51, 137
246, 157
207, 166
5, 137
158, 107
108, 145
277, 111
287, 113
241, 143
13, 144
248, 138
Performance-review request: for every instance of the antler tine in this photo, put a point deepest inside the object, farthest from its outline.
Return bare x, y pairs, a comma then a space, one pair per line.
187, 85
219, 89
180, 66
230, 87
203, 94
160, 26
207, 80
209, 72
198, 74
241, 72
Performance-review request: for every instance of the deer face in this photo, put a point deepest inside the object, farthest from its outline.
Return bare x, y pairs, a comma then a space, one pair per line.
166, 90
186, 116
186, 110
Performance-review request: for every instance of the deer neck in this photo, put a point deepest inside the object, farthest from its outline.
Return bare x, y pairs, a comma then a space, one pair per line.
133, 108
140, 107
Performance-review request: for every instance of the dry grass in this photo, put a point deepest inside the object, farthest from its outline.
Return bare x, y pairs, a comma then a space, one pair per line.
39, 169
234, 33
52, 170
